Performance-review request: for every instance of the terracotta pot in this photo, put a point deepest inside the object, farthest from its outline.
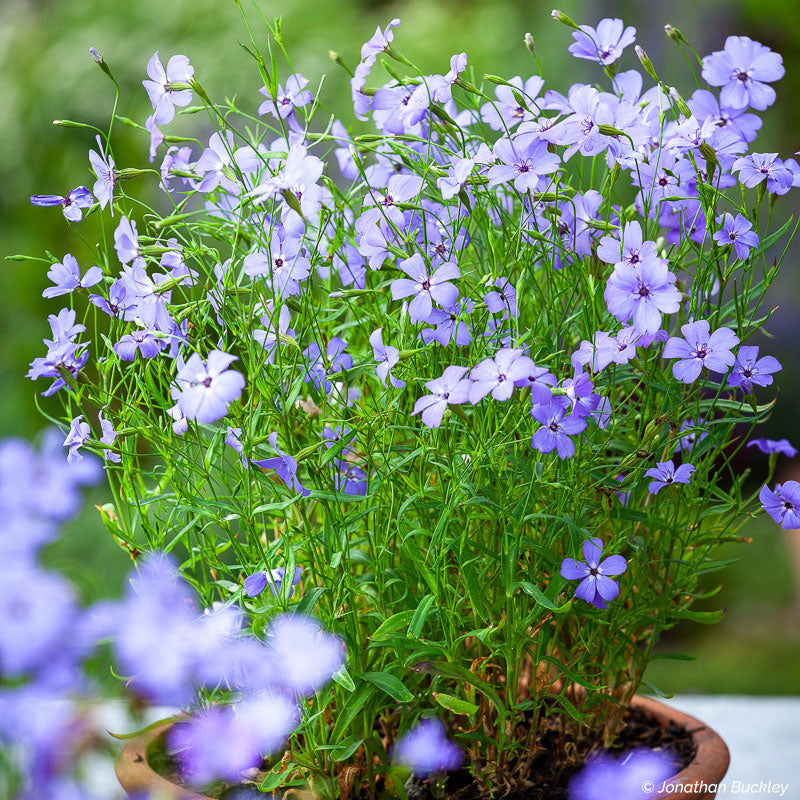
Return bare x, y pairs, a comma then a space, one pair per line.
706, 770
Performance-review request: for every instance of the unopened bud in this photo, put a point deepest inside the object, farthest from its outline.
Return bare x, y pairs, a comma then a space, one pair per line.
562, 17
676, 98
529, 43
101, 62
95, 55
674, 33
646, 62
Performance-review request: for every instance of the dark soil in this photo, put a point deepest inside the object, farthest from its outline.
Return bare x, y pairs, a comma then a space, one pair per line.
548, 780
549, 776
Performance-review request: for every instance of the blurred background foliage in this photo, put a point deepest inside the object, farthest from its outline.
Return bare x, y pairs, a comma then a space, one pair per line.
46, 72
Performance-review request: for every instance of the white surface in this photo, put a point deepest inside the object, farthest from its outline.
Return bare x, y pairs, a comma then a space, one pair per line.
763, 736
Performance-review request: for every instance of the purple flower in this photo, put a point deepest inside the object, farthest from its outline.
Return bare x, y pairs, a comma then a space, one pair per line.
126, 241
256, 583
630, 250
425, 288
270, 337
295, 95
162, 90
142, 341
319, 369
498, 375
737, 232
285, 264
699, 348
284, 465
66, 276
782, 504
770, 446
539, 380
757, 167
77, 437
39, 630
458, 173
73, 203
506, 113
603, 44
115, 305
451, 389
642, 293
213, 745
751, 370
502, 299
689, 440
623, 777
207, 388
664, 474
425, 749
108, 436
522, 163
743, 69
388, 356
399, 189
595, 587
304, 656
349, 478
556, 429
448, 325
704, 105
103, 167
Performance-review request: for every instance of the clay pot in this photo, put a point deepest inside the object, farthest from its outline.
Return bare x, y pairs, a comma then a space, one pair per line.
707, 768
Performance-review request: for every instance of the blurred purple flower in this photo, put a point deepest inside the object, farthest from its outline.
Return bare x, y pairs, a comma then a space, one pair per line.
623, 778
425, 749
770, 446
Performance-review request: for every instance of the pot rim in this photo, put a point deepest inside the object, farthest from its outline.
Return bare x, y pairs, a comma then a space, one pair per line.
709, 765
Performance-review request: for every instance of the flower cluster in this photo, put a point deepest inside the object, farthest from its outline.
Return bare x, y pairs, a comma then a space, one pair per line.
431, 364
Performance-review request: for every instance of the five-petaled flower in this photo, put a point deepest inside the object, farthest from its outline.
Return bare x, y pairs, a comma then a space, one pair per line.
665, 474
749, 370
595, 587
207, 388
603, 44
737, 231
782, 504
700, 348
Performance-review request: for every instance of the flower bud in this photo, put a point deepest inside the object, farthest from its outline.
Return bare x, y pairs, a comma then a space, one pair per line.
673, 33
646, 62
529, 43
562, 17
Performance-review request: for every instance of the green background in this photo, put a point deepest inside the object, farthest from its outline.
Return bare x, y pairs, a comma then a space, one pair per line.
46, 72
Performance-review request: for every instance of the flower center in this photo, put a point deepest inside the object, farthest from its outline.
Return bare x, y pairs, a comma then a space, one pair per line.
741, 75
701, 352
207, 383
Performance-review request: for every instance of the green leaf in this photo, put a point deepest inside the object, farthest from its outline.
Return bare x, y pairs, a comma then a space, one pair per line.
393, 623
541, 598
342, 677
454, 704
703, 617
346, 748
351, 708
310, 600
393, 686
152, 726
275, 779
420, 615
